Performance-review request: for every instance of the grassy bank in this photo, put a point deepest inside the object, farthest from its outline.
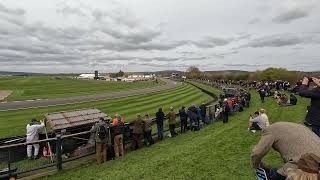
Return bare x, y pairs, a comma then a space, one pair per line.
219, 151
46, 87
13, 123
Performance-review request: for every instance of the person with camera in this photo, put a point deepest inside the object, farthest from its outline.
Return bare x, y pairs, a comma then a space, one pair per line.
313, 116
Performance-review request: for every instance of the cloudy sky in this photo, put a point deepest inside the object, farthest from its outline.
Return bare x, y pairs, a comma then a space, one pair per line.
58, 36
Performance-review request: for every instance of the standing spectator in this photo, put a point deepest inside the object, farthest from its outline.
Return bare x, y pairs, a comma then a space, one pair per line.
192, 113
198, 116
225, 111
183, 119
118, 129
264, 115
203, 109
262, 94
160, 118
313, 115
137, 132
148, 140
172, 122
100, 132
32, 135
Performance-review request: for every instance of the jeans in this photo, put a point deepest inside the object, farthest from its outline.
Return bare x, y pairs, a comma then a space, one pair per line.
160, 131
316, 130
148, 140
274, 175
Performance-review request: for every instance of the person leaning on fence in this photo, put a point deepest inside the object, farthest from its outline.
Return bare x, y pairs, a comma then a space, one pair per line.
160, 118
183, 119
100, 132
203, 109
293, 141
118, 130
192, 114
137, 132
148, 140
172, 122
32, 135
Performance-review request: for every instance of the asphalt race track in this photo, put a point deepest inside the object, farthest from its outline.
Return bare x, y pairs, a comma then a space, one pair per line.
72, 100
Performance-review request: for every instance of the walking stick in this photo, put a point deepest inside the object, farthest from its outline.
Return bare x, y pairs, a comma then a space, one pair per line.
49, 147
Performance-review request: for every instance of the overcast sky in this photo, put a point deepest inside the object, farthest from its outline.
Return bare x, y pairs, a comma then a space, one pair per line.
58, 36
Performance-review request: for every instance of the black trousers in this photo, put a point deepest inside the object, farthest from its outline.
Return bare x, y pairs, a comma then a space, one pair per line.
172, 129
255, 126
225, 117
183, 124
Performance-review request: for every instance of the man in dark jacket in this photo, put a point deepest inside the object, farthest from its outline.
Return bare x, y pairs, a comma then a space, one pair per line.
293, 99
192, 113
183, 119
203, 109
226, 111
160, 117
313, 115
262, 94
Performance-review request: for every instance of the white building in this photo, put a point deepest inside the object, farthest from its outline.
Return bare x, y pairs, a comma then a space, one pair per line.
86, 76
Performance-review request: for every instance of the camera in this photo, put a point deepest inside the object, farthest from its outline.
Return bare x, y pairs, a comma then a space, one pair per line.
310, 80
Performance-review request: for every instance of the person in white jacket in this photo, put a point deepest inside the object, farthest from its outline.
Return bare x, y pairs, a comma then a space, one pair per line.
32, 135
264, 115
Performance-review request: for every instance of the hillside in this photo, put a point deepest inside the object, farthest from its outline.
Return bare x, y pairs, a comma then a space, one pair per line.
219, 151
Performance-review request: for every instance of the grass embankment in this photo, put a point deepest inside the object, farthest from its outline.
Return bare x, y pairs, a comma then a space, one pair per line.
13, 122
47, 87
219, 151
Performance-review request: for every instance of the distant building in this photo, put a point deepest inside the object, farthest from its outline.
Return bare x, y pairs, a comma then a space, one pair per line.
86, 76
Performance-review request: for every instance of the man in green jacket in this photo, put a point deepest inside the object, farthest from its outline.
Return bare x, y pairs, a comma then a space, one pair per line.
100, 132
137, 132
172, 122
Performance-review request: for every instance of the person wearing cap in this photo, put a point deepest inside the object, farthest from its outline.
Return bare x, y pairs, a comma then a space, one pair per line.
183, 119
100, 133
33, 135
226, 111
172, 122
137, 132
118, 129
148, 140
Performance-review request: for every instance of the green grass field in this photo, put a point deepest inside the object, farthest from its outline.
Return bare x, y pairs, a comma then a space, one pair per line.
13, 122
219, 151
46, 87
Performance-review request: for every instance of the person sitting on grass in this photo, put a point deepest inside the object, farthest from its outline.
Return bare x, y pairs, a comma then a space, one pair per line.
292, 141
256, 122
263, 114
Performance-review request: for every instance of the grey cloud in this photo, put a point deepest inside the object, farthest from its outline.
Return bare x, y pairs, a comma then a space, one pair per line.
67, 10
254, 21
6, 10
275, 41
291, 15
211, 42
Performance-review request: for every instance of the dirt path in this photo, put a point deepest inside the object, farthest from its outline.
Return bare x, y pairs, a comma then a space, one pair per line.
4, 94
5, 106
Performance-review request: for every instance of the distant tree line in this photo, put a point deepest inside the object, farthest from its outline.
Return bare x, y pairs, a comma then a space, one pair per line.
268, 74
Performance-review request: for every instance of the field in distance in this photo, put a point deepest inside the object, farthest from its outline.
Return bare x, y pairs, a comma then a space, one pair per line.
47, 87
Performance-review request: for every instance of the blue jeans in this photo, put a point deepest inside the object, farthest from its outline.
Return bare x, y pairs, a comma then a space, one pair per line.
160, 131
274, 175
316, 130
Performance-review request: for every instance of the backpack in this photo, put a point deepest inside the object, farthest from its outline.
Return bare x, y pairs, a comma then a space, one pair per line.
102, 132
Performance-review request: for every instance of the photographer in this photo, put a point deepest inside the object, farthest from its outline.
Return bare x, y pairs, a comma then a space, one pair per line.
313, 115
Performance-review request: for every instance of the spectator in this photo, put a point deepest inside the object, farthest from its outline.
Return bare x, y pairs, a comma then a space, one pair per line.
100, 132
118, 130
172, 122
137, 132
148, 130
262, 94
192, 113
291, 140
293, 99
203, 109
32, 135
263, 114
183, 119
256, 122
198, 116
225, 111
160, 118
313, 115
